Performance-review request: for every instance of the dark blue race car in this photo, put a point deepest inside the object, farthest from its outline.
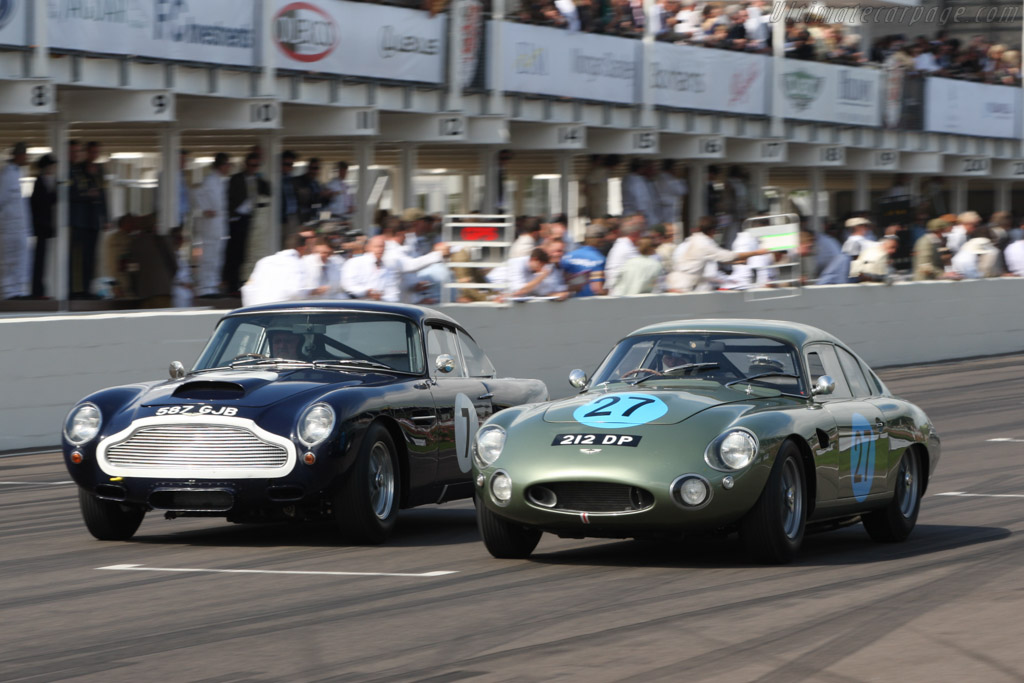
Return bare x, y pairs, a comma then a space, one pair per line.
311, 410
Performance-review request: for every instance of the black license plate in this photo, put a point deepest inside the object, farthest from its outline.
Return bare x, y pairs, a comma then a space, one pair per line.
629, 440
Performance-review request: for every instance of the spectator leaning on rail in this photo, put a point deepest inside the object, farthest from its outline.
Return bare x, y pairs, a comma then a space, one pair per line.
860, 232
641, 274
528, 237
534, 276
623, 249
967, 224
689, 272
977, 258
369, 277
930, 253
875, 261
14, 228
584, 266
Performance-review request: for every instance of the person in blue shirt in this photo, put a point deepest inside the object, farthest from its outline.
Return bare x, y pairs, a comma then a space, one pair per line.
584, 266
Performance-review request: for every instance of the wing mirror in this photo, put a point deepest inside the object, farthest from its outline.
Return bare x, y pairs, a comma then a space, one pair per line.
177, 370
824, 386
444, 363
578, 378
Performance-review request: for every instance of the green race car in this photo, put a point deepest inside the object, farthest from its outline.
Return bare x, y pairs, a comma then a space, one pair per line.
756, 426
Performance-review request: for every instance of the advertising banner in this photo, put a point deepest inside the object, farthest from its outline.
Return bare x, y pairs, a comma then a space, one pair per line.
548, 61
208, 31
13, 22
689, 77
971, 108
360, 39
813, 91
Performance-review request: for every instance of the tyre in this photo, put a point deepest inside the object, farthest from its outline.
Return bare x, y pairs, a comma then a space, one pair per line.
504, 539
895, 521
108, 520
773, 529
366, 507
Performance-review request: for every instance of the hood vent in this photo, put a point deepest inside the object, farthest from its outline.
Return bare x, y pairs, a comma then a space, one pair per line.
209, 391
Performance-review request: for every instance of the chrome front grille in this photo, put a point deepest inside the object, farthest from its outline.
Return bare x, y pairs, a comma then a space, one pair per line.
195, 447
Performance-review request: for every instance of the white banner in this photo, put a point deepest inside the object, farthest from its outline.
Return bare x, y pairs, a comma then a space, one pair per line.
548, 61
689, 77
209, 31
13, 22
827, 92
360, 39
971, 108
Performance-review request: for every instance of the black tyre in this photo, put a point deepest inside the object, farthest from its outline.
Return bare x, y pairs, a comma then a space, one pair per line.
505, 540
366, 507
895, 521
773, 530
108, 520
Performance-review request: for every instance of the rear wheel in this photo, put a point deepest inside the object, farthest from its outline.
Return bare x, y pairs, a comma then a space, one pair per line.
366, 507
773, 530
109, 520
504, 539
896, 520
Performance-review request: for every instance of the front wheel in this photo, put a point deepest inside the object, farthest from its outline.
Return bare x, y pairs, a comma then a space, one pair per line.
109, 520
504, 539
773, 530
895, 521
366, 507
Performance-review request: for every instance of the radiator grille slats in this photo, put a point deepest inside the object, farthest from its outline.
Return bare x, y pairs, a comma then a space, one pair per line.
196, 447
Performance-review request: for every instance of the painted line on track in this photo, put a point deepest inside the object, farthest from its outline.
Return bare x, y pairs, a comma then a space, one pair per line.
963, 494
1005, 439
194, 570
35, 483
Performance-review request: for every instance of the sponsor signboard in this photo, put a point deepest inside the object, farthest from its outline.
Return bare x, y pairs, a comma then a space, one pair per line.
212, 31
13, 22
968, 108
548, 61
690, 77
362, 39
812, 91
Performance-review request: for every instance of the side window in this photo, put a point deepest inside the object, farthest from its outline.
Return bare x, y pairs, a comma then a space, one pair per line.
477, 364
854, 375
442, 340
822, 360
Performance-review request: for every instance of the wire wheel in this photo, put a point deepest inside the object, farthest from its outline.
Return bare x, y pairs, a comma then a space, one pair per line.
907, 483
382, 481
792, 499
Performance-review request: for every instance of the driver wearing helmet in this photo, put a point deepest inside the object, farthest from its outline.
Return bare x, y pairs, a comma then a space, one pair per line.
284, 344
762, 364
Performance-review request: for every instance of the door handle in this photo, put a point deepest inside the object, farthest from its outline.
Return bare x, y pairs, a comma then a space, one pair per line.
482, 397
879, 424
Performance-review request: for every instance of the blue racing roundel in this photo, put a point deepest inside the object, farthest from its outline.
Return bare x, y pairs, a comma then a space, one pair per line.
614, 411
862, 457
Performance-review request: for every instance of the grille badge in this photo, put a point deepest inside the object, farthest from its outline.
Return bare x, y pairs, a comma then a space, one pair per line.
590, 451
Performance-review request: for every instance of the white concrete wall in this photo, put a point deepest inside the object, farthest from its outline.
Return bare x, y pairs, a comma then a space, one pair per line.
49, 362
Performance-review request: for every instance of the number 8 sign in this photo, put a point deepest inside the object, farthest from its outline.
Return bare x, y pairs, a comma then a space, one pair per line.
620, 410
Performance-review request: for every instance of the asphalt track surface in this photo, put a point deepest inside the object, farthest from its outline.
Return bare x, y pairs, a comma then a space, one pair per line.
948, 605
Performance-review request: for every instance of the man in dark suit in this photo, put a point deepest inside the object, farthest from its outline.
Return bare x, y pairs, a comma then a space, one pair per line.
87, 217
44, 203
244, 191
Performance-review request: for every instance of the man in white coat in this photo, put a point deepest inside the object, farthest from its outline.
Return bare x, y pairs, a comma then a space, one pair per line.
14, 228
211, 231
369, 276
670, 190
323, 269
283, 276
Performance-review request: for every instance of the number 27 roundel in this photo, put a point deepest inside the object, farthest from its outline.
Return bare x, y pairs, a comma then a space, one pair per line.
615, 411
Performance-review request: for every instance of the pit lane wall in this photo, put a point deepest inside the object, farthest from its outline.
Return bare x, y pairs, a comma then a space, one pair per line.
51, 361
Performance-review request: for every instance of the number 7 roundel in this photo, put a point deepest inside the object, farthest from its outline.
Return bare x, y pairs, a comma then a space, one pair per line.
615, 411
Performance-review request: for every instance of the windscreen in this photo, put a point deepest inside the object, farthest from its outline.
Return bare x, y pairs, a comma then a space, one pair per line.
331, 336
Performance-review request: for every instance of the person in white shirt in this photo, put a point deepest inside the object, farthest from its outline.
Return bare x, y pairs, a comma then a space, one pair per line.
670, 190
967, 224
534, 275
756, 24
15, 224
925, 61
689, 272
414, 278
211, 231
567, 8
323, 269
860, 232
875, 261
756, 269
623, 250
977, 258
528, 236
638, 193
340, 201
1014, 256
283, 276
368, 276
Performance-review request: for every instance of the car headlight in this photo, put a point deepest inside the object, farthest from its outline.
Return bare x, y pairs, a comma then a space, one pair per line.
83, 424
732, 451
489, 442
316, 424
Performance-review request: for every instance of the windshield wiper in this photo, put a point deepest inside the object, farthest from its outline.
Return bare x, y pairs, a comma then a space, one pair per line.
357, 362
267, 361
677, 370
753, 378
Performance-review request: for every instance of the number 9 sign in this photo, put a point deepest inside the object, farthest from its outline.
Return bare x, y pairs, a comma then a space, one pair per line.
620, 410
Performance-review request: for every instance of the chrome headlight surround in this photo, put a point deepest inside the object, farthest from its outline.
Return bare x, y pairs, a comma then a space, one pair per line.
315, 424
83, 424
732, 450
488, 445
501, 488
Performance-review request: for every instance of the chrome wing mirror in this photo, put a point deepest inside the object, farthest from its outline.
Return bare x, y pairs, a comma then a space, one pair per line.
578, 378
176, 370
444, 363
824, 386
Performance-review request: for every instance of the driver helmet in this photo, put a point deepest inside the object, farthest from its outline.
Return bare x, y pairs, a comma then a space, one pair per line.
762, 364
284, 344
673, 358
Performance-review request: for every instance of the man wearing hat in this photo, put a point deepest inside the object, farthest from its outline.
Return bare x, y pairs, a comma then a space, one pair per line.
14, 218
584, 266
929, 250
44, 204
860, 232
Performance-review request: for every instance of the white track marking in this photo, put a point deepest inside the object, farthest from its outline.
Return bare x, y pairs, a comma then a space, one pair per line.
140, 568
35, 483
1006, 439
963, 494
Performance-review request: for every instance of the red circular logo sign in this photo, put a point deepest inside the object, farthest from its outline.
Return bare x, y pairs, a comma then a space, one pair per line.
304, 32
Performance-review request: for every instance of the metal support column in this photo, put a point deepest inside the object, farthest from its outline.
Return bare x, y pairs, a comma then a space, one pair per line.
959, 195
646, 58
456, 18
60, 269
496, 104
268, 76
817, 183
272, 164
758, 179
364, 158
489, 170
861, 192
564, 173
1003, 195
170, 180
778, 128
408, 160
698, 192
40, 40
